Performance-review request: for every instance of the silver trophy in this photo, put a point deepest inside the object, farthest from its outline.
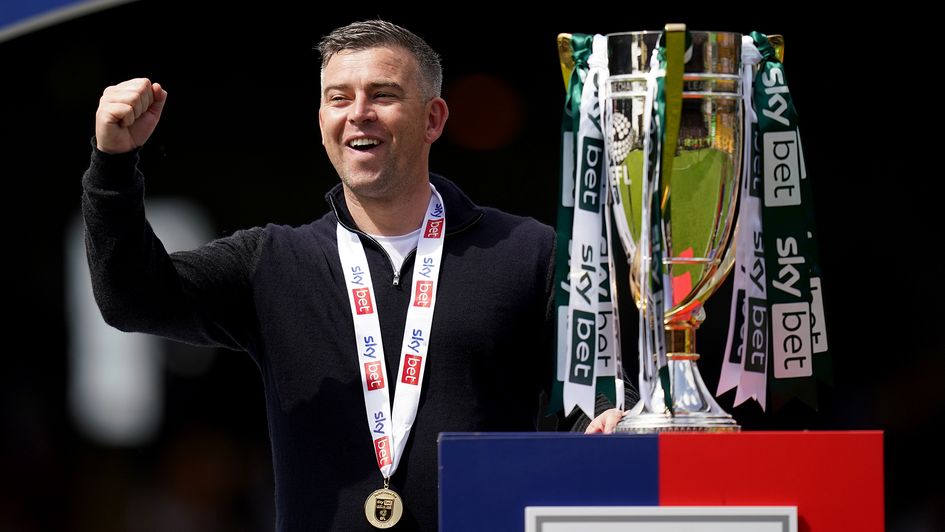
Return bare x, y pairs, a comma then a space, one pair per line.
697, 204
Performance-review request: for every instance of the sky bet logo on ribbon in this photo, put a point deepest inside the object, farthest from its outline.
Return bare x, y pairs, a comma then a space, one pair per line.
784, 169
374, 375
422, 294
382, 450
757, 345
428, 265
583, 347
411, 369
593, 158
434, 228
362, 301
792, 340
790, 246
370, 347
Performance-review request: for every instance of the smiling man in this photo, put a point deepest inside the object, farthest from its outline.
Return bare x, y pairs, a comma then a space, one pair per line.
378, 118
405, 311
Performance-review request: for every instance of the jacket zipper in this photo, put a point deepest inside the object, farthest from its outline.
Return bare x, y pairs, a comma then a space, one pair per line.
397, 272
396, 280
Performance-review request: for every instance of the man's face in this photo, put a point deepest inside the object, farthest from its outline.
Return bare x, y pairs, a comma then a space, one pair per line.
376, 125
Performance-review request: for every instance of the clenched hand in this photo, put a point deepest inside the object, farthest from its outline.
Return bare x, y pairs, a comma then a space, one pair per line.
127, 115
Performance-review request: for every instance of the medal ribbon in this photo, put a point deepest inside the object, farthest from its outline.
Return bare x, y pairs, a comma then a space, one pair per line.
390, 429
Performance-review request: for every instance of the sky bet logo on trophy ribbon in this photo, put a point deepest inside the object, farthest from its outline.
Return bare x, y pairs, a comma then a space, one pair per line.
672, 121
798, 344
584, 303
783, 166
593, 158
584, 347
756, 345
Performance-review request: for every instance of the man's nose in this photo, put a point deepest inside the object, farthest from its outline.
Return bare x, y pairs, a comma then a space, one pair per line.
362, 110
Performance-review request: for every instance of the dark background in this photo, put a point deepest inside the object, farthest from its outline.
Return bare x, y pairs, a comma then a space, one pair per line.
239, 136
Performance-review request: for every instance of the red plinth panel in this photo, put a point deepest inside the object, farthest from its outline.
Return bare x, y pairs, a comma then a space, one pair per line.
834, 478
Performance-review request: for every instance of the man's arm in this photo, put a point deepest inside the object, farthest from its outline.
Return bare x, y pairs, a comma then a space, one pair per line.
201, 297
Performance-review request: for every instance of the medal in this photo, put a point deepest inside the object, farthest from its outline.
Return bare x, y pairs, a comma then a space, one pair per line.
390, 427
383, 507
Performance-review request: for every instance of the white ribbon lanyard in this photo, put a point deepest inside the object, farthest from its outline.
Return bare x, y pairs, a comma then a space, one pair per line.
390, 432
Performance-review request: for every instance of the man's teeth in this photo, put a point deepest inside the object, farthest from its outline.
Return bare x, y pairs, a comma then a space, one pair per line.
363, 142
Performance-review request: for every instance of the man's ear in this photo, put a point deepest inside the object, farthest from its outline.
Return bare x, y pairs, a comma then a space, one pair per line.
437, 113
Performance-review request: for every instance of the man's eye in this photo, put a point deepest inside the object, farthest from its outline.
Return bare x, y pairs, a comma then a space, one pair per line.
336, 98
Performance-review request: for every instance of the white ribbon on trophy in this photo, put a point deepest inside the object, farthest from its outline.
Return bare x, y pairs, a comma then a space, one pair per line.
651, 339
586, 345
749, 343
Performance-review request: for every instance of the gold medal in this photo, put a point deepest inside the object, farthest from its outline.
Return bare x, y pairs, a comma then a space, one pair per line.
383, 508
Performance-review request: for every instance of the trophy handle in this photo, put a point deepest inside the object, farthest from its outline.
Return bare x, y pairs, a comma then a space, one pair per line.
675, 41
777, 41
566, 58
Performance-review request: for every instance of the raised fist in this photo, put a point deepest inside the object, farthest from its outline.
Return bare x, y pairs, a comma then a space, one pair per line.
127, 115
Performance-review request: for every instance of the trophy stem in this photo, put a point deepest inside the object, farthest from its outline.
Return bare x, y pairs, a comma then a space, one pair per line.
681, 341
694, 408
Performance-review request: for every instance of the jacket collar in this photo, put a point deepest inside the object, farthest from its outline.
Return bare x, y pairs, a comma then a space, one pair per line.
460, 210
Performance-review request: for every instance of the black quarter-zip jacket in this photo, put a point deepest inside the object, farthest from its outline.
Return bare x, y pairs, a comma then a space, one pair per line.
278, 293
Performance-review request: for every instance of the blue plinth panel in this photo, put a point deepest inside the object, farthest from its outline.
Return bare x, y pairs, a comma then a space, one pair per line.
487, 479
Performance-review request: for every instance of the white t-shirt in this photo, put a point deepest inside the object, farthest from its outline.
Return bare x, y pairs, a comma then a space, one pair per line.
398, 246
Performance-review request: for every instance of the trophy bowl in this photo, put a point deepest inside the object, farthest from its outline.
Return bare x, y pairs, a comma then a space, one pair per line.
697, 204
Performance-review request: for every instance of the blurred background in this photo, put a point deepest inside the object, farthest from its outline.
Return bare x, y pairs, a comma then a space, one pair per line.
104, 432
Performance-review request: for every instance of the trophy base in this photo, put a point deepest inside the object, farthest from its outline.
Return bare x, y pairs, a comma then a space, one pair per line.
694, 408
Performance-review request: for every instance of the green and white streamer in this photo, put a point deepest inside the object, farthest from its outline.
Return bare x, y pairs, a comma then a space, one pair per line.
746, 350
584, 345
614, 325
799, 349
580, 51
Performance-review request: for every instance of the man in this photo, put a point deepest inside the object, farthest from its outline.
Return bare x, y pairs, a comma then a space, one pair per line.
375, 327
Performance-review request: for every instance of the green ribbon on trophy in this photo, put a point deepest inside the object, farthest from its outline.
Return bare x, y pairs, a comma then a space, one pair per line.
777, 305
587, 352
799, 351
573, 51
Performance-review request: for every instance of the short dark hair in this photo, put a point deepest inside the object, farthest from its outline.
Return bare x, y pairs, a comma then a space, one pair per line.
380, 33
